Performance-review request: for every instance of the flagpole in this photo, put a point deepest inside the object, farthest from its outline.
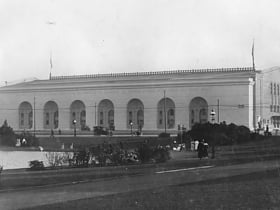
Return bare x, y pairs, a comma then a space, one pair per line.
254, 86
51, 65
253, 55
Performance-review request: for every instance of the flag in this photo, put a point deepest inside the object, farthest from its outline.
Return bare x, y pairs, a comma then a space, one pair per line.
253, 49
51, 62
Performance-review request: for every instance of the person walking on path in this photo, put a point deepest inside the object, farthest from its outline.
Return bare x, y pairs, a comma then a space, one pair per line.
200, 149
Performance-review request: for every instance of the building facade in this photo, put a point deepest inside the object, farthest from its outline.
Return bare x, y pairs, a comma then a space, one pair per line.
147, 101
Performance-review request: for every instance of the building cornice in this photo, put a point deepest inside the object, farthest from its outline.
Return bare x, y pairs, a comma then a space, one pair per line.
153, 73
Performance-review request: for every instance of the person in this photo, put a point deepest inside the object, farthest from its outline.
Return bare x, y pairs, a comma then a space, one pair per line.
52, 133
205, 149
24, 142
196, 145
200, 149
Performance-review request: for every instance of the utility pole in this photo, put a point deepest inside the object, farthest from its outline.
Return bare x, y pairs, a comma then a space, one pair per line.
95, 114
34, 126
218, 110
164, 112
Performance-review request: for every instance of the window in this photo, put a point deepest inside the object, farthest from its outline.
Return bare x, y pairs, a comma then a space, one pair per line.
101, 118
47, 118
22, 119
30, 119
129, 117
160, 117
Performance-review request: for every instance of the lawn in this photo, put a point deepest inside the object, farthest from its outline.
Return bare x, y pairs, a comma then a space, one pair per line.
251, 191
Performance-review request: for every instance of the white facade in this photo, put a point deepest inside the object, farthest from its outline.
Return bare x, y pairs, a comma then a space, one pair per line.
152, 101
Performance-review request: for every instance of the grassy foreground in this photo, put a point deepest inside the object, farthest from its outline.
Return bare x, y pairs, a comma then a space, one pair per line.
251, 191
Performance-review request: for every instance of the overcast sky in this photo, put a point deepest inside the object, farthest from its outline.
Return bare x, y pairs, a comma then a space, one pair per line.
106, 36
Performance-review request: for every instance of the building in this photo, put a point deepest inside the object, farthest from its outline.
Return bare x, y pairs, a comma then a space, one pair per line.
147, 101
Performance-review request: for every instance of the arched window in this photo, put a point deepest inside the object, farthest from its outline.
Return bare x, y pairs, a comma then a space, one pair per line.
106, 113
78, 113
198, 111
166, 109
51, 115
135, 114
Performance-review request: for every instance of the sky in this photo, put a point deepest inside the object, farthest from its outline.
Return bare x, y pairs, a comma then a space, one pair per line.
95, 36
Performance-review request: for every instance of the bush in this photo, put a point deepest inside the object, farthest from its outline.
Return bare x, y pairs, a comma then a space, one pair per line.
36, 165
146, 153
7, 135
220, 134
85, 128
164, 135
31, 140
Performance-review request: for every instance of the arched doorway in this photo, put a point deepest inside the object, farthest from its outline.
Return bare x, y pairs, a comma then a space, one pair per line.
166, 113
78, 113
106, 114
25, 115
198, 111
50, 115
135, 114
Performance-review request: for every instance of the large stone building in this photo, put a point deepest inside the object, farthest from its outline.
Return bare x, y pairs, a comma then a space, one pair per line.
150, 101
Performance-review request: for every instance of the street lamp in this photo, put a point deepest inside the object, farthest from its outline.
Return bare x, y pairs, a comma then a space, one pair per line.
74, 123
212, 113
131, 124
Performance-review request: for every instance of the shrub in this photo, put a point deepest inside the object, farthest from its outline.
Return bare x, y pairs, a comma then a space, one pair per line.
220, 134
31, 140
7, 135
146, 153
161, 155
85, 128
164, 135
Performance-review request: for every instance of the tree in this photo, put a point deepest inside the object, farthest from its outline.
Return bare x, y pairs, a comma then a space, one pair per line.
7, 135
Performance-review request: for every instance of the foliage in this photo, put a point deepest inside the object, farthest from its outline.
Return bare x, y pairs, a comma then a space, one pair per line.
164, 135
31, 140
99, 130
7, 135
57, 158
220, 134
147, 153
36, 165
85, 128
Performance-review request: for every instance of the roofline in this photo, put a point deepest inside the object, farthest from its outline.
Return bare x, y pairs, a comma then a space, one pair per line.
152, 73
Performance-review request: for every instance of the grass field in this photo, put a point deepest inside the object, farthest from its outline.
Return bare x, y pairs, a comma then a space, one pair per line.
252, 191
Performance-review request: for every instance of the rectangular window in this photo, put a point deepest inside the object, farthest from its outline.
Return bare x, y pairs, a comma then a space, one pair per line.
47, 119
22, 119
271, 108
101, 118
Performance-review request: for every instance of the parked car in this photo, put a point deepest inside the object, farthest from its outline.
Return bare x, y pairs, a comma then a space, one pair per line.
99, 130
